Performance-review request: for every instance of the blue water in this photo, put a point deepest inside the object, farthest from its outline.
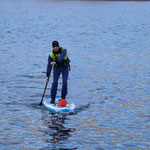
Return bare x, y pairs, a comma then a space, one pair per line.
108, 44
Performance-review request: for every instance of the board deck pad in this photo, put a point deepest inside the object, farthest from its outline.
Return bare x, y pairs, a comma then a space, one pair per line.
53, 107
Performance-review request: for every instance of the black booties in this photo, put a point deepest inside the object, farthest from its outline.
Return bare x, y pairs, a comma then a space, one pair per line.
52, 99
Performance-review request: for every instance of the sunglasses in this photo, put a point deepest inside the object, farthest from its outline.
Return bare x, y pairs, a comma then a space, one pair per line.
55, 46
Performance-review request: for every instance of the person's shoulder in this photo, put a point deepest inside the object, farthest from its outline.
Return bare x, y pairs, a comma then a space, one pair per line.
50, 55
62, 48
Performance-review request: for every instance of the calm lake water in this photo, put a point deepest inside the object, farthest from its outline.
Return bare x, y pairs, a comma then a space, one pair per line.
109, 47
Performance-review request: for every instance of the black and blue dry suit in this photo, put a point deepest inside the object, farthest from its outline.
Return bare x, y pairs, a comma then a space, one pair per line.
62, 66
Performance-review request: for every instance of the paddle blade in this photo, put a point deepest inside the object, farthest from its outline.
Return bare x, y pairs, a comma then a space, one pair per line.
40, 103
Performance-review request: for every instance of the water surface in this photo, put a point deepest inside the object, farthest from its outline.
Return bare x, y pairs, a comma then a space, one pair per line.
108, 44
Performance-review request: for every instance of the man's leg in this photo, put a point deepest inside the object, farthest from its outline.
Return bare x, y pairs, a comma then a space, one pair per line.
56, 74
65, 74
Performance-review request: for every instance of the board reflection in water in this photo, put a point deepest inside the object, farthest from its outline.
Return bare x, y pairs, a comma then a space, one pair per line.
57, 130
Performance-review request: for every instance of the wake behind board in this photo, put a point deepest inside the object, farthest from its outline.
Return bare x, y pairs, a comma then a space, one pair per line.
53, 107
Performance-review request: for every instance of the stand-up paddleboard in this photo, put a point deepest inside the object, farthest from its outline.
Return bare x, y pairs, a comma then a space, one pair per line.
53, 107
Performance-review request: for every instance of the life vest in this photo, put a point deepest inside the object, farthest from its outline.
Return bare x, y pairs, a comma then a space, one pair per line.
54, 56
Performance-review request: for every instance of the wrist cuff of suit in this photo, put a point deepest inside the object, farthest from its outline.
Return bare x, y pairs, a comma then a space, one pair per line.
57, 62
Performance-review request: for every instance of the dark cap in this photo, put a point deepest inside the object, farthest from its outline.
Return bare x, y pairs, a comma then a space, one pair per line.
55, 44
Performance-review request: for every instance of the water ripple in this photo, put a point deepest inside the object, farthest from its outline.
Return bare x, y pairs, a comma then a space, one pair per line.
108, 81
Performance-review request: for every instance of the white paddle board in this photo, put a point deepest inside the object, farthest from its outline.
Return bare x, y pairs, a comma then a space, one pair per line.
53, 107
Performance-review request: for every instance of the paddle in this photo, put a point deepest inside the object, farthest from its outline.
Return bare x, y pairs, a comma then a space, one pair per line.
43, 94
44, 90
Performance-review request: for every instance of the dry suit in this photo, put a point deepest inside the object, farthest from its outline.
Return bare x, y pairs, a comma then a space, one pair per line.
62, 67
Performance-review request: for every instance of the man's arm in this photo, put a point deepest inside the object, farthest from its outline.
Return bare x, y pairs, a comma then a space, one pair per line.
62, 55
49, 66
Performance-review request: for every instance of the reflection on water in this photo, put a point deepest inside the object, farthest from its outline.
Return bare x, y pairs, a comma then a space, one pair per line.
108, 44
62, 132
57, 131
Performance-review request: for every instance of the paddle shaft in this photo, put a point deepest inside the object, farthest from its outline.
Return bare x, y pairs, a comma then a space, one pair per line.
43, 93
44, 90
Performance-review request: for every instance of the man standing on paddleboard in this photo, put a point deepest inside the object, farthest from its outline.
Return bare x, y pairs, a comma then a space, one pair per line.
58, 58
